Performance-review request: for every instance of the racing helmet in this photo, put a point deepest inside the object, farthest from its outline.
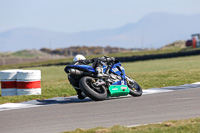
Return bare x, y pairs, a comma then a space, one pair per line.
79, 57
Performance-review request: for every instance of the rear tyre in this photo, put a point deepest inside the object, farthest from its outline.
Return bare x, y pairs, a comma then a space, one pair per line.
93, 92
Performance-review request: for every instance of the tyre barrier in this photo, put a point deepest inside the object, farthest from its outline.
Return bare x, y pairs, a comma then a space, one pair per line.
8, 82
20, 82
158, 56
29, 82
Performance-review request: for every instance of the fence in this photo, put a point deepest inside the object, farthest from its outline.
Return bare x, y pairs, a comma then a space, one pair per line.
7, 61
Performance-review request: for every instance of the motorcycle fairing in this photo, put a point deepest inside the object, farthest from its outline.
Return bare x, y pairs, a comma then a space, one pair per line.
120, 82
82, 67
119, 70
118, 90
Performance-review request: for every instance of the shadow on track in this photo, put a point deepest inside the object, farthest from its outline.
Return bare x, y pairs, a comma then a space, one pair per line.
58, 100
65, 100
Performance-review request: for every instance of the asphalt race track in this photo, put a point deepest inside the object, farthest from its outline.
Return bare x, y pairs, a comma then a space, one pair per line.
127, 111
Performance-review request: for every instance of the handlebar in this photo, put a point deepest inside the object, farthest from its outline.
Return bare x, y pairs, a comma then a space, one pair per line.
107, 59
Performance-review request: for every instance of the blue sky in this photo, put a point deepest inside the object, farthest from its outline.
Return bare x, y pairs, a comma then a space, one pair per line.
85, 15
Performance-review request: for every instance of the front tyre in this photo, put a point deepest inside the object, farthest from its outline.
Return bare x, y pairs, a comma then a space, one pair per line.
89, 89
134, 87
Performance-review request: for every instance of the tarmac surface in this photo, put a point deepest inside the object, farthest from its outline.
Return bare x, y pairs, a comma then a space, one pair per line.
127, 111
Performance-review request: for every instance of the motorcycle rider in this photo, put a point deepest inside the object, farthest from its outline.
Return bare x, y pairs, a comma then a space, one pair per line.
96, 63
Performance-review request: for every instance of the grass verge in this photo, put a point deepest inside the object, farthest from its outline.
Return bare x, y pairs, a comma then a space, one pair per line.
173, 126
149, 74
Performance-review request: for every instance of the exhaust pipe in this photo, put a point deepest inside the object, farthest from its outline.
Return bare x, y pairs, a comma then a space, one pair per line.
75, 72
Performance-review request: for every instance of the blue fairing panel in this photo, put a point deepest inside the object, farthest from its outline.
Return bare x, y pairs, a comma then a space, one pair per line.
120, 82
120, 72
82, 67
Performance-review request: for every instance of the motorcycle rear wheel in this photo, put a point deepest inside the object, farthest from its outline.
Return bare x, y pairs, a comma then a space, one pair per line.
88, 88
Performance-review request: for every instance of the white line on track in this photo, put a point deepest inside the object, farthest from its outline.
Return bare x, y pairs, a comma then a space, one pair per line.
73, 99
143, 124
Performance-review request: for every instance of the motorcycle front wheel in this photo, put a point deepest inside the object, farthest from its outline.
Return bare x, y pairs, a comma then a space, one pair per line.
134, 87
89, 89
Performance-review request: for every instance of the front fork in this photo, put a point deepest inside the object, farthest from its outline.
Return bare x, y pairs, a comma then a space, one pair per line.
131, 83
129, 80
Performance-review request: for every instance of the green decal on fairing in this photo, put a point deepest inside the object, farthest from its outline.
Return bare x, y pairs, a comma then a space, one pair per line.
118, 90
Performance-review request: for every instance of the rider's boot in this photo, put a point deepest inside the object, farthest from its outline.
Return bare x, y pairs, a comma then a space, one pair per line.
100, 73
80, 94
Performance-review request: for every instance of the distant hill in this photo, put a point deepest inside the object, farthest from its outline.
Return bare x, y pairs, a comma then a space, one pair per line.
154, 30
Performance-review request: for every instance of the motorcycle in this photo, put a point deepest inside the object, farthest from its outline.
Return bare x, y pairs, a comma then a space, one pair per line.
113, 83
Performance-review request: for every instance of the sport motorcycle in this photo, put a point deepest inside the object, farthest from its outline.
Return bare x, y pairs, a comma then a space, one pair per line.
113, 83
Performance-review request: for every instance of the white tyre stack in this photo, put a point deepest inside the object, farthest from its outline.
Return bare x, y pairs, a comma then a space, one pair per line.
29, 82
8, 82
